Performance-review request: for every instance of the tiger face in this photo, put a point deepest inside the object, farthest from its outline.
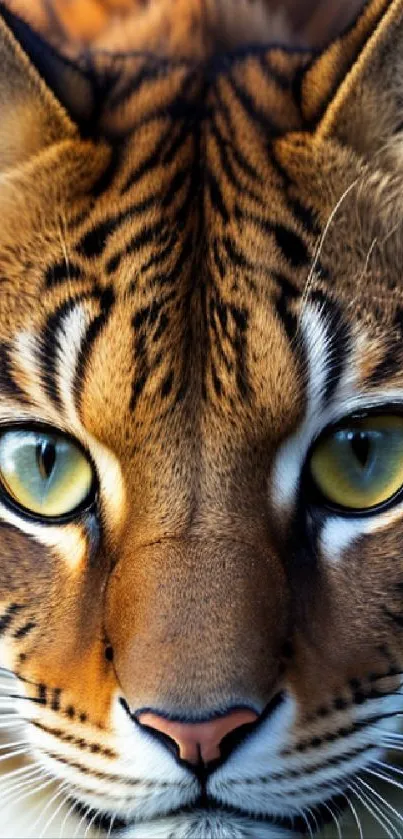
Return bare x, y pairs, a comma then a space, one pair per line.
201, 423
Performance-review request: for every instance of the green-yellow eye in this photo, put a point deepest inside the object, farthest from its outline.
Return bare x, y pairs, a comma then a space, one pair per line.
44, 472
359, 464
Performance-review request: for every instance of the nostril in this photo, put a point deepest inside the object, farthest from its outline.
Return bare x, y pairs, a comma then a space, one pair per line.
198, 742
234, 738
109, 653
163, 738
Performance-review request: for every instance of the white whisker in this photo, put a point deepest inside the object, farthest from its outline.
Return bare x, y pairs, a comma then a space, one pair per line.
15, 753
303, 816
111, 823
32, 791
60, 792
313, 817
374, 810
389, 766
14, 744
23, 770
355, 814
12, 721
20, 784
322, 239
384, 801
83, 818
367, 258
386, 778
91, 822
69, 812
335, 819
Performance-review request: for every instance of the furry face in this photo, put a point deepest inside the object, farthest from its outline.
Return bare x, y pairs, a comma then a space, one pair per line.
201, 434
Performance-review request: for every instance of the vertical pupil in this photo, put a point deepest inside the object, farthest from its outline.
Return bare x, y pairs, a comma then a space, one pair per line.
45, 457
361, 446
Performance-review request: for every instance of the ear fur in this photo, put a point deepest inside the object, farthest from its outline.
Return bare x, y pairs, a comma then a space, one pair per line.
34, 82
360, 78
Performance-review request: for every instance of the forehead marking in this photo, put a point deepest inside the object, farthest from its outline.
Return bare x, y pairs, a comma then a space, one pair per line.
68, 341
287, 470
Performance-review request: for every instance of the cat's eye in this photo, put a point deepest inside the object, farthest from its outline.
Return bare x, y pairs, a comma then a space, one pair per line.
358, 465
45, 473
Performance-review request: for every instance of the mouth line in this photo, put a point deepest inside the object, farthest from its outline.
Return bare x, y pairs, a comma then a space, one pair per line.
300, 824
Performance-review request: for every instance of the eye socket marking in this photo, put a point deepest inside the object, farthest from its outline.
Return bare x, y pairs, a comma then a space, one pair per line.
357, 466
44, 473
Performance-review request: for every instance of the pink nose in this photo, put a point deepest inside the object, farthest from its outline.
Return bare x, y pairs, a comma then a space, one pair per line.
198, 741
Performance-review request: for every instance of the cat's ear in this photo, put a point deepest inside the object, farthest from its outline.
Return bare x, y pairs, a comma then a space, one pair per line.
42, 95
354, 91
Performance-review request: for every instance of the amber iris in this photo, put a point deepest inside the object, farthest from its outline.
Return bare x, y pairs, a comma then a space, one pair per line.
45, 473
358, 464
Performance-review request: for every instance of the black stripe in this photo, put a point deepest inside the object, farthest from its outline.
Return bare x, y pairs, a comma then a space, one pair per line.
48, 349
241, 261
146, 236
8, 616
80, 742
218, 262
391, 365
171, 277
339, 341
288, 294
25, 629
272, 74
8, 385
290, 243
155, 260
148, 72
304, 215
61, 272
255, 113
177, 182
161, 328
216, 196
313, 743
244, 164
151, 161
337, 760
397, 619
167, 384
95, 240
177, 143
55, 703
106, 302
109, 174
108, 776
225, 150
42, 694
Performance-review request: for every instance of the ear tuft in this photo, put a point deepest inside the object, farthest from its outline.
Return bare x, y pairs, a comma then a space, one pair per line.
354, 90
41, 93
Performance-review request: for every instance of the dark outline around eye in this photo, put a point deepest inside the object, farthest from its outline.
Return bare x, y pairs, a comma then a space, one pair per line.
88, 503
311, 491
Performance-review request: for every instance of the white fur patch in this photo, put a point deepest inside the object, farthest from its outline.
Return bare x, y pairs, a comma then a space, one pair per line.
339, 532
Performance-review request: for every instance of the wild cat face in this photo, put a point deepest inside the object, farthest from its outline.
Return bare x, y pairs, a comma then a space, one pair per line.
201, 438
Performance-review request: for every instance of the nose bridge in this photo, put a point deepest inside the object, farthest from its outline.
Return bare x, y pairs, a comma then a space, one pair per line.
197, 624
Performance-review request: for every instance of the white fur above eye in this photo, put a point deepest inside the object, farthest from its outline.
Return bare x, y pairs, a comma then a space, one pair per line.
338, 532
